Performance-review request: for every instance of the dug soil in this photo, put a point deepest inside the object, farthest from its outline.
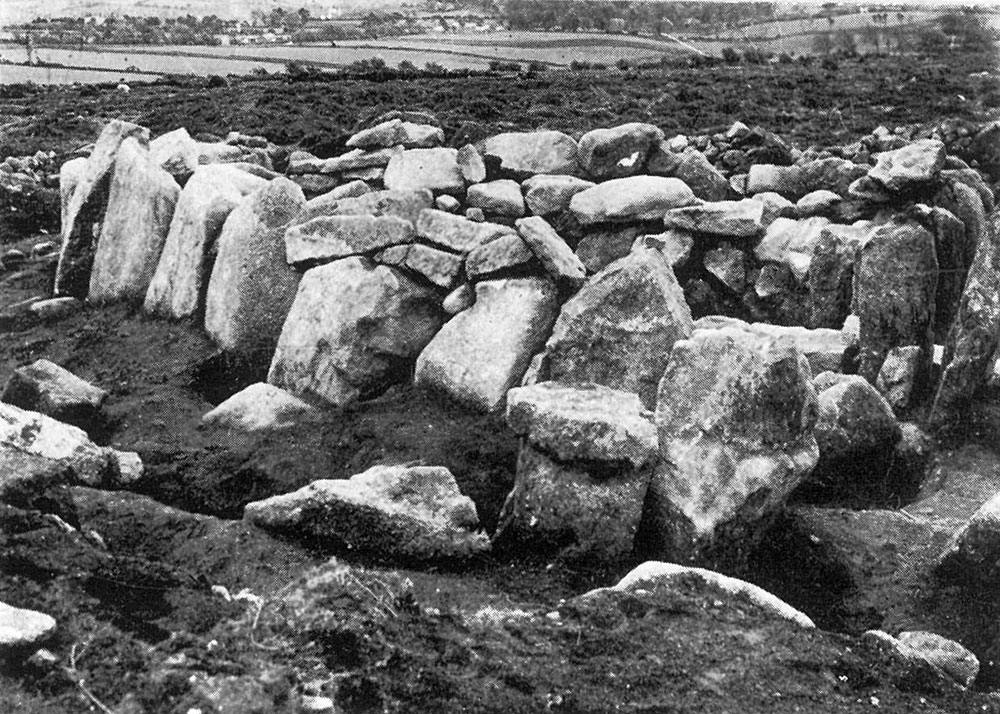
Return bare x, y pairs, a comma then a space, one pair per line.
167, 602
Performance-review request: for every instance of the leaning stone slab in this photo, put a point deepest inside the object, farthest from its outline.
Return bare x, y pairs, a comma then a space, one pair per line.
353, 330
534, 152
45, 387
23, 628
434, 169
652, 575
252, 286
553, 253
203, 206
86, 206
546, 194
404, 512
634, 198
618, 151
974, 337
456, 233
70, 175
739, 219
910, 167
140, 207
36, 435
619, 328
692, 168
735, 414
484, 350
260, 407
583, 423
327, 238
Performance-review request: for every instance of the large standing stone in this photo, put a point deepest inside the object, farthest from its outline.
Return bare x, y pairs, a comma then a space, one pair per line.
45, 387
739, 219
456, 233
619, 151
895, 282
484, 351
434, 169
555, 256
974, 338
911, 167
202, 208
619, 329
405, 512
86, 206
735, 415
252, 286
327, 238
140, 208
634, 198
546, 194
831, 274
70, 174
534, 152
353, 331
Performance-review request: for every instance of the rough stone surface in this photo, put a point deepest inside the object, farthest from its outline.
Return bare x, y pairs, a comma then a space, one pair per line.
534, 152
397, 132
633, 198
546, 194
497, 198
692, 168
471, 164
652, 575
175, 152
855, 423
252, 286
674, 246
55, 308
618, 151
619, 329
603, 244
405, 204
260, 407
456, 232
140, 207
436, 266
585, 514
23, 628
822, 348
728, 264
947, 655
461, 298
584, 423
506, 250
792, 242
86, 205
31, 434
831, 273
739, 219
484, 351
45, 387
327, 238
434, 169
895, 282
556, 257
406, 512
817, 203
202, 208
897, 379
973, 555
735, 414
974, 337
352, 331
909, 167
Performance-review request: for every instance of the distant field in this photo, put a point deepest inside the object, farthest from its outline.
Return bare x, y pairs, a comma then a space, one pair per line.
13, 74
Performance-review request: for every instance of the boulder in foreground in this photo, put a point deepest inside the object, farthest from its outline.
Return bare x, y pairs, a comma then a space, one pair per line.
45, 387
402, 512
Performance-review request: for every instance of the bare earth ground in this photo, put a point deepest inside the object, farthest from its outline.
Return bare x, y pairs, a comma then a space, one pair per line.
141, 629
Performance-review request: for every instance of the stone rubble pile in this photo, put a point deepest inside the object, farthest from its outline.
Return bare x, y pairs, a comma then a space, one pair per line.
682, 331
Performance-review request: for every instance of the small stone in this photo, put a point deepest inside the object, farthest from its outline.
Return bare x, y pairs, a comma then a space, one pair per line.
471, 164
461, 298
817, 203
447, 203
675, 246
497, 198
55, 308
897, 379
260, 407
